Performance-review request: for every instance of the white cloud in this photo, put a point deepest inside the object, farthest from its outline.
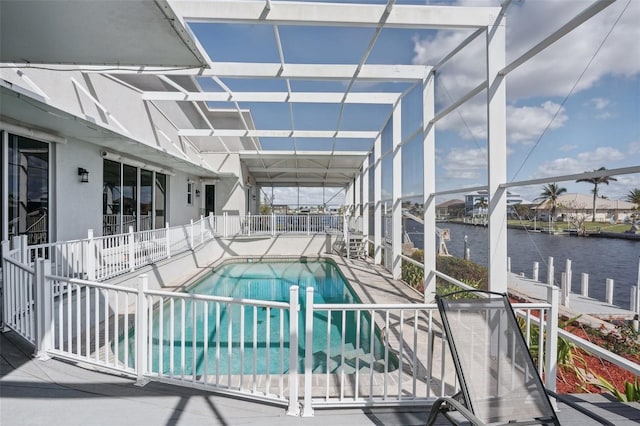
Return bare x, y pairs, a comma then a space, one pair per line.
567, 148
524, 124
463, 163
599, 103
556, 70
619, 190
585, 161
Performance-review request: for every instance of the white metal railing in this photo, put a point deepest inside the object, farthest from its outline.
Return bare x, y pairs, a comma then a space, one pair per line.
248, 354
101, 258
18, 296
354, 355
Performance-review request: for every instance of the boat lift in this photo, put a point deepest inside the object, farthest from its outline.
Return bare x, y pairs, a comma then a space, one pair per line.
442, 234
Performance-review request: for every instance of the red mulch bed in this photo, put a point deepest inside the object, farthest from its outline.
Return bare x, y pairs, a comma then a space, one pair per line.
569, 382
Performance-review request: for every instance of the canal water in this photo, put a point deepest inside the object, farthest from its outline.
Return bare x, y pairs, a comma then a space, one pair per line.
601, 258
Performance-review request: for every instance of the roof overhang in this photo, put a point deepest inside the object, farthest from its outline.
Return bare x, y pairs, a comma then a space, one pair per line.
20, 108
303, 168
98, 32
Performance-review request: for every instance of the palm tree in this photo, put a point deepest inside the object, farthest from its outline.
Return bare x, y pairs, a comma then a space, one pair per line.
634, 196
595, 182
549, 195
481, 204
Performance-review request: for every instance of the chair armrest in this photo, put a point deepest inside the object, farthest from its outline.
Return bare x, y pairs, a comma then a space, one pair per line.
453, 403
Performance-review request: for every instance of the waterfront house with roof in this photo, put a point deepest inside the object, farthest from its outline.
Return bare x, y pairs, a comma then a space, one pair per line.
580, 206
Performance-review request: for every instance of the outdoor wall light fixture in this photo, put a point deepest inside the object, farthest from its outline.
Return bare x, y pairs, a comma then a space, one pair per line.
84, 175
197, 192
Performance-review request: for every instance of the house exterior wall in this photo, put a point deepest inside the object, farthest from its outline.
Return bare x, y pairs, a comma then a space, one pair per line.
77, 206
99, 103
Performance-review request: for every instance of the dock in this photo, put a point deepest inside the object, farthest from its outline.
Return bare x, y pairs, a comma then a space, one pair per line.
578, 304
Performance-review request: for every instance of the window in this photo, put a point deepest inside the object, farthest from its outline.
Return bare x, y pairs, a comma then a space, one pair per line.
189, 193
146, 200
130, 197
111, 198
160, 203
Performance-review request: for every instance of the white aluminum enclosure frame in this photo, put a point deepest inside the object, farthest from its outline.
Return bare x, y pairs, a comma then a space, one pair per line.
331, 167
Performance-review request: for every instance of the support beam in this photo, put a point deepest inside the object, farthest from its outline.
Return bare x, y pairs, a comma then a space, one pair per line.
497, 152
365, 202
285, 133
319, 181
373, 98
429, 187
377, 197
328, 72
301, 155
313, 170
334, 14
396, 191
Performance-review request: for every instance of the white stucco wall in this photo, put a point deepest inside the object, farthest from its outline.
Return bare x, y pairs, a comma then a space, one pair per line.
77, 206
175, 272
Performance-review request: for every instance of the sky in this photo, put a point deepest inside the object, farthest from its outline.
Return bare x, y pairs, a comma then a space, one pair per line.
573, 108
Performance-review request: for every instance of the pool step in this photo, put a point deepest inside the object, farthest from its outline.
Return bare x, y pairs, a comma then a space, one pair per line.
352, 357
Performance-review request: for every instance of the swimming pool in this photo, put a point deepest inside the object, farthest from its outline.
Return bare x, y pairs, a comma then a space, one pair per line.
235, 332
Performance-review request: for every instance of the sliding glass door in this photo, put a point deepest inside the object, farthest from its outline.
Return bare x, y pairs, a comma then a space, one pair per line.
132, 197
28, 189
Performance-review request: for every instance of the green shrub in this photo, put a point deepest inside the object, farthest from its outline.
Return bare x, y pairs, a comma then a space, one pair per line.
470, 273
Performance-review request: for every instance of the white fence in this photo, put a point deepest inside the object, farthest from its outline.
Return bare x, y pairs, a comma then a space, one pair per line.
354, 355
101, 258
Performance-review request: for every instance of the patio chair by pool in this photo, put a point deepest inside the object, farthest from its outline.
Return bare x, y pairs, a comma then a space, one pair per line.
498, 380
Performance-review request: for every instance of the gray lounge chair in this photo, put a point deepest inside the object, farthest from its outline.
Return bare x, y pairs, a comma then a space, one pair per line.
498, 380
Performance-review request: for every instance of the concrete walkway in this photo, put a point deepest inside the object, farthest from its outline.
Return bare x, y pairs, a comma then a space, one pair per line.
34, 392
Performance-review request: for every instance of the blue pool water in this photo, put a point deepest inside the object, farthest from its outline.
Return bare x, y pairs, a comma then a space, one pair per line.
233, 337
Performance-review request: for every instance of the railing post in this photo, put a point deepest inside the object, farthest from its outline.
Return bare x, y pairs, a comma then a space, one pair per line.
191, 234
609, 291
273, 224
249, 223
168, 240
224, 222
564, 295
308, 224
42, 303
132, 252
24, 250
210, 219
201, 229
345, 231
550, 271
508, 263
307, 410
536, 270
91, 256
568, 270
551, 356
294, 307
141, 331
584, 285
6, 246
